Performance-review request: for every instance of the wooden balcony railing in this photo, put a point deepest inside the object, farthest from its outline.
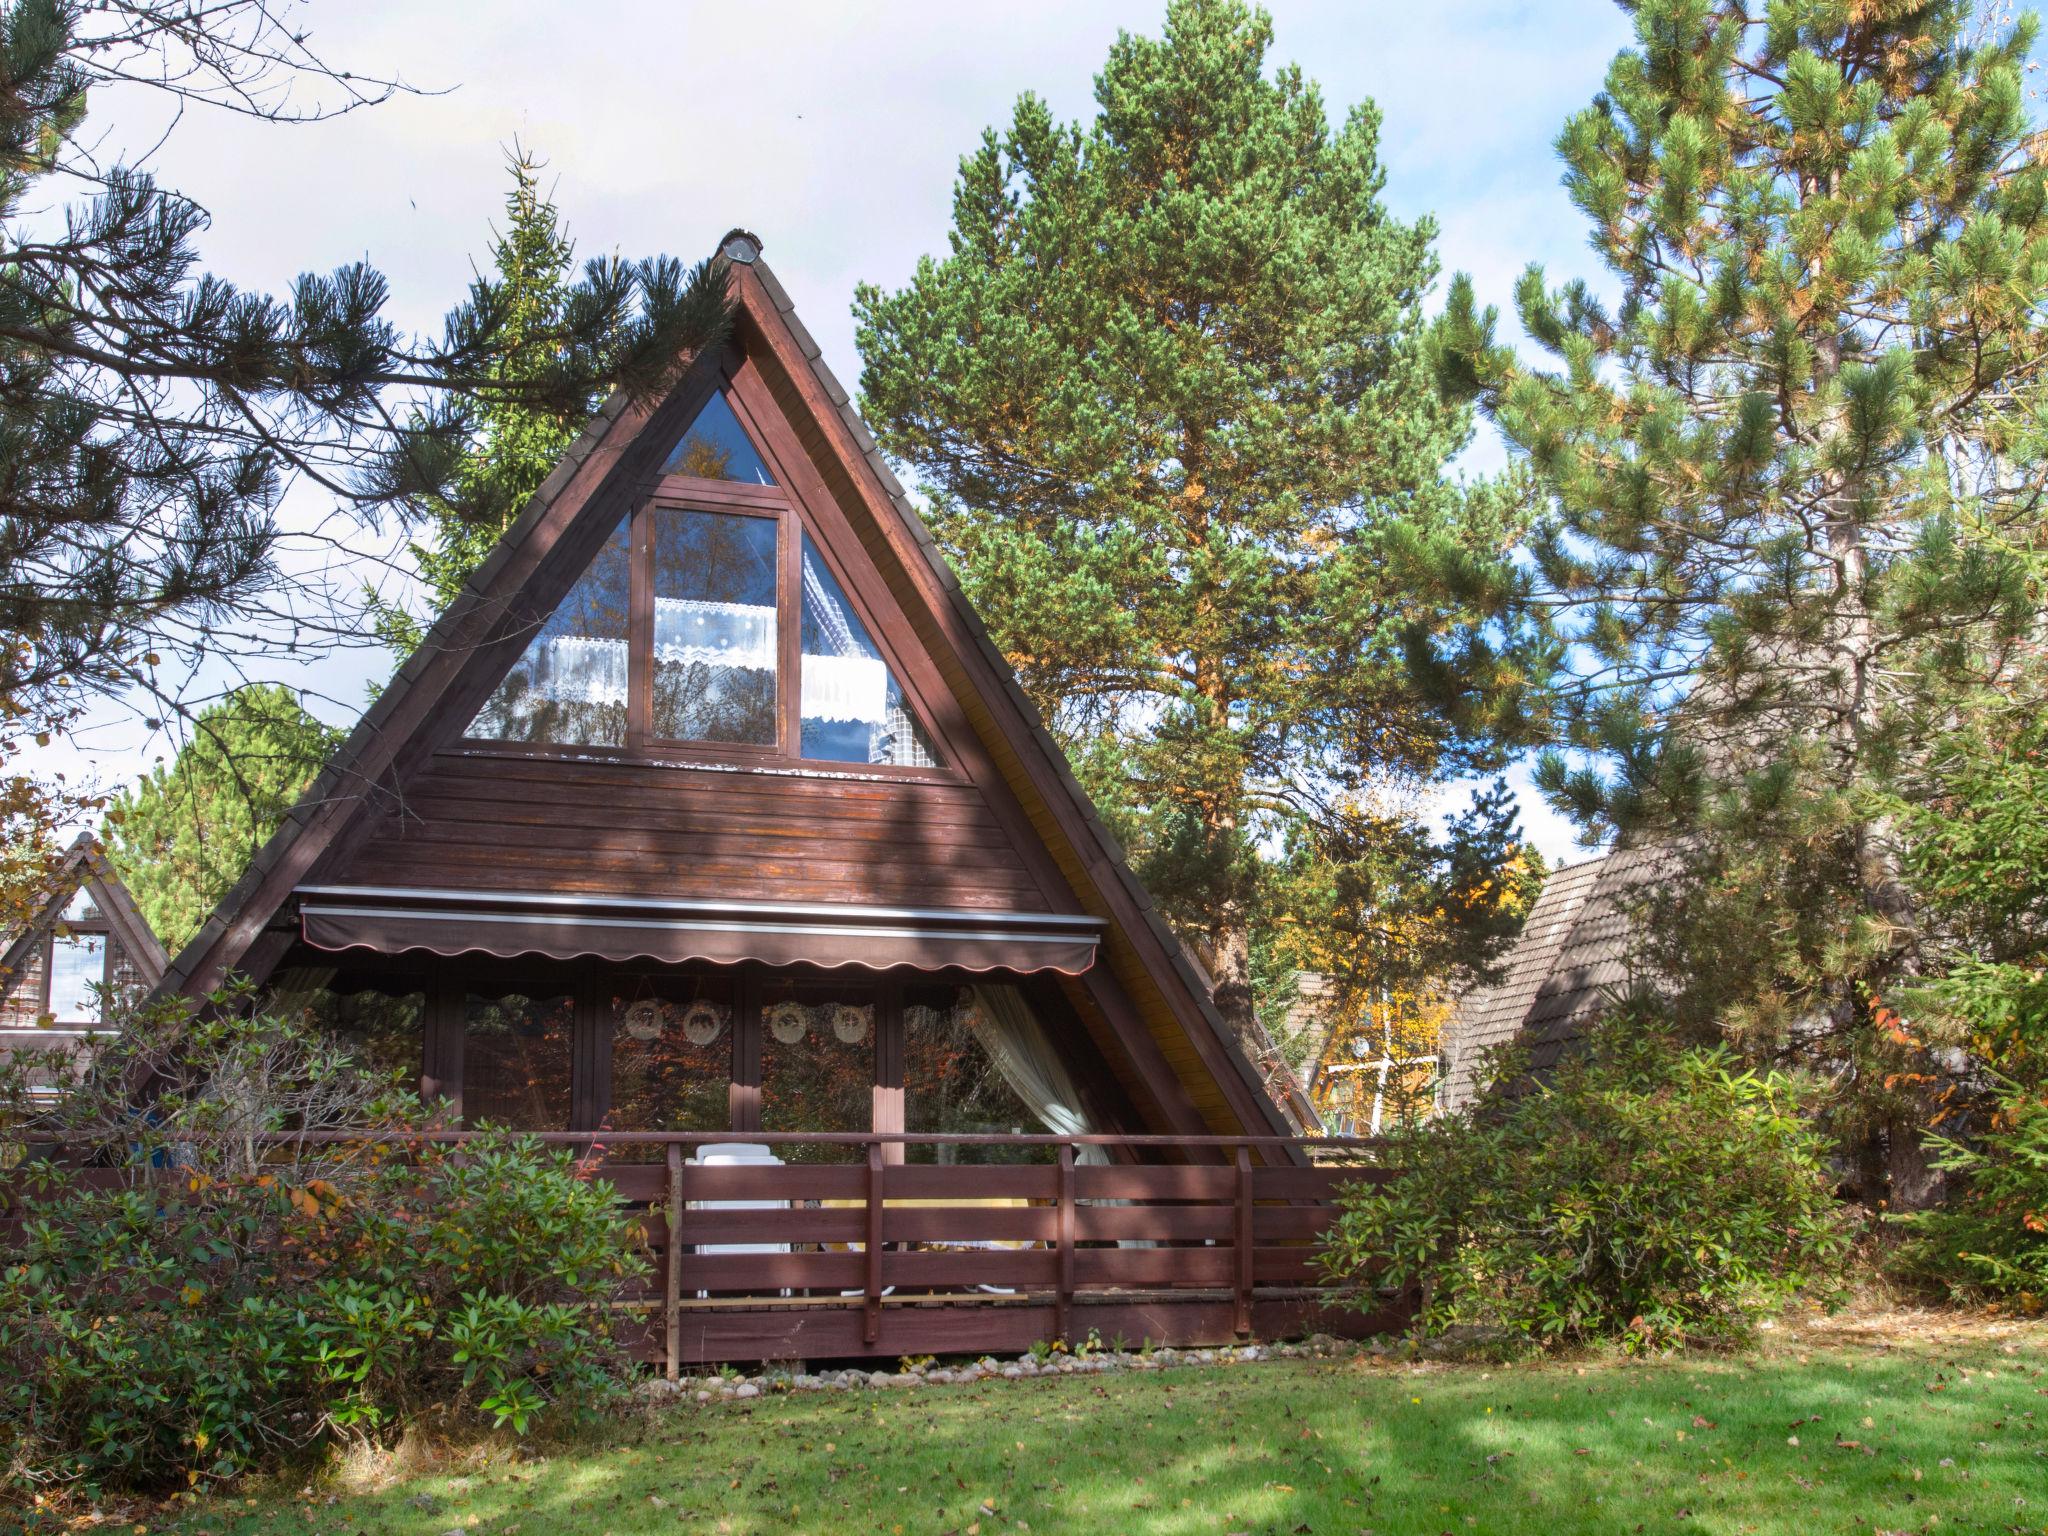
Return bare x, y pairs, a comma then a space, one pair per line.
881, 1253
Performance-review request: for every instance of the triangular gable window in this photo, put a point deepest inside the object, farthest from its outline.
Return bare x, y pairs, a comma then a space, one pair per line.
703, 665
569, 686
853, 709
716, 447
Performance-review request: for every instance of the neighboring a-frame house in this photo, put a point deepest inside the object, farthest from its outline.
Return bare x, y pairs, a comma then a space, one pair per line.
1575, 960
86, 944
710, 806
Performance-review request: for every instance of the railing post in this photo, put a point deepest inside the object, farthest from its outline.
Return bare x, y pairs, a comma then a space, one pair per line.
1244, 1241
873, 1288
672, 1287
1063, 1295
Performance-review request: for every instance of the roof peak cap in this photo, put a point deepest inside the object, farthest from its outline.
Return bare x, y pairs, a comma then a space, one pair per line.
740, 245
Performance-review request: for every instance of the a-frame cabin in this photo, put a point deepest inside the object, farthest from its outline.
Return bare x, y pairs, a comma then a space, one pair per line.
716, 719
710, 807
86, 945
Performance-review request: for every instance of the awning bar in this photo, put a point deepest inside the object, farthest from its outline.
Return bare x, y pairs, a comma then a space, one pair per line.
411, 896
673, 933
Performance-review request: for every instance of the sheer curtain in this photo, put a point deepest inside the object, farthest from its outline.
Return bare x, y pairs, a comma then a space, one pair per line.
1016, 1042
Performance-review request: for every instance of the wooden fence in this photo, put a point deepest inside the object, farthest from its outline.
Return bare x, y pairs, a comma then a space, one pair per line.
879, 1253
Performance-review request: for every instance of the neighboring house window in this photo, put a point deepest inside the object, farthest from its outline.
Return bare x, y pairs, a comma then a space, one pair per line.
78, 963
677, 638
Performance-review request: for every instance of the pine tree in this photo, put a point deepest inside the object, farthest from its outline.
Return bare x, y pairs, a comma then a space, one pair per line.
1785, 473
517, 442
1167, 397
151, 414
183, 835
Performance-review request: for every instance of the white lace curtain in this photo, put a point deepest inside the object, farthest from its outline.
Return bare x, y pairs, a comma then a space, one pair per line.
844, 678
1017, 1043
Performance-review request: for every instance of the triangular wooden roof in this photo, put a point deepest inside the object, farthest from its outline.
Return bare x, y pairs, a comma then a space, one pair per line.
1577, 957
1147, 992
85, 864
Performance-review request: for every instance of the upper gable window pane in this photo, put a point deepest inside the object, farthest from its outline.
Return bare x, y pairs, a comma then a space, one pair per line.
569, 686
715, 645
716, 447
853, 710
78, 968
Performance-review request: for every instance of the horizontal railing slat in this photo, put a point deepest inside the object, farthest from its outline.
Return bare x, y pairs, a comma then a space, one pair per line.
931, 1181
995, 1223
637, 1182
964, 1269
1161, 1182
789, 1181
1097, 1267
1311, 1183
777, 1225
1287, 1266
768, 1271
1271, 1222
1153, 1223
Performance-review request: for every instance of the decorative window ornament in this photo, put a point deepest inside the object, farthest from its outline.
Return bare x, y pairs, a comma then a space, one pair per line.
788, 1021
852, 1021
643, 1019
703, 1022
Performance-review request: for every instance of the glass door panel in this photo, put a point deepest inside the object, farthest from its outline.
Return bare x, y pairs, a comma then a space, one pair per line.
817, 1066
515, 1060
672, 1053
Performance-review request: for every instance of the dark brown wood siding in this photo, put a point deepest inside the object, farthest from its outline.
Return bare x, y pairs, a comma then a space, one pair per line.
502, 821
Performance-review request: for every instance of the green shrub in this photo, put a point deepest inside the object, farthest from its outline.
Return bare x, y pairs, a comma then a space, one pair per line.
1642, 1195
216, 1302
1977, 854
1991, 1237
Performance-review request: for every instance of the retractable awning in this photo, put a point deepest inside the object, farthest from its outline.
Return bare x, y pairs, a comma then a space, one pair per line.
392, 921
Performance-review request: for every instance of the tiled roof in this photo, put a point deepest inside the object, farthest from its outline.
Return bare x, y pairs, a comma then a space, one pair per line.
1575, 957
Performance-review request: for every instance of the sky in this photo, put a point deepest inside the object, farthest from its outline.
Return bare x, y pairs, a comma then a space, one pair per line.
831, 130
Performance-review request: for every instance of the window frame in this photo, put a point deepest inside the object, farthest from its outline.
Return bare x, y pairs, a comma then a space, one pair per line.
102, 926
684, 493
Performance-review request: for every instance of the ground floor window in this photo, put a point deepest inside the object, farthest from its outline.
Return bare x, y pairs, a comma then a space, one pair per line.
672, 1066
384, 1031
516, 1050
738, 1051
953, 1083
818, 1063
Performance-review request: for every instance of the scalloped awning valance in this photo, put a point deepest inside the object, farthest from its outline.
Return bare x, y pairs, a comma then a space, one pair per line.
395, 921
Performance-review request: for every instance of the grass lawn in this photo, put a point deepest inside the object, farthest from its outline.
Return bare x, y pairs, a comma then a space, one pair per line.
1824, 1431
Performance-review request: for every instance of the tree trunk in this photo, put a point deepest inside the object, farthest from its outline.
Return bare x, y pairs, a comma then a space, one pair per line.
1230, 968
1912, 1182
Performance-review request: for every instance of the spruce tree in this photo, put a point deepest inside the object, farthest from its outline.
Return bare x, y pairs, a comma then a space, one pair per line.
517, 441
1167, 398
1786, 474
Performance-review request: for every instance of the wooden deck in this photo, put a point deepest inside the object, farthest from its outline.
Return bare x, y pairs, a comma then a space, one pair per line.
881, 1254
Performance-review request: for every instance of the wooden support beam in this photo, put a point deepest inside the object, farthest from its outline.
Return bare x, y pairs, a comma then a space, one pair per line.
672, 1290
1064, 1297
877, 1170
1244, 1242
